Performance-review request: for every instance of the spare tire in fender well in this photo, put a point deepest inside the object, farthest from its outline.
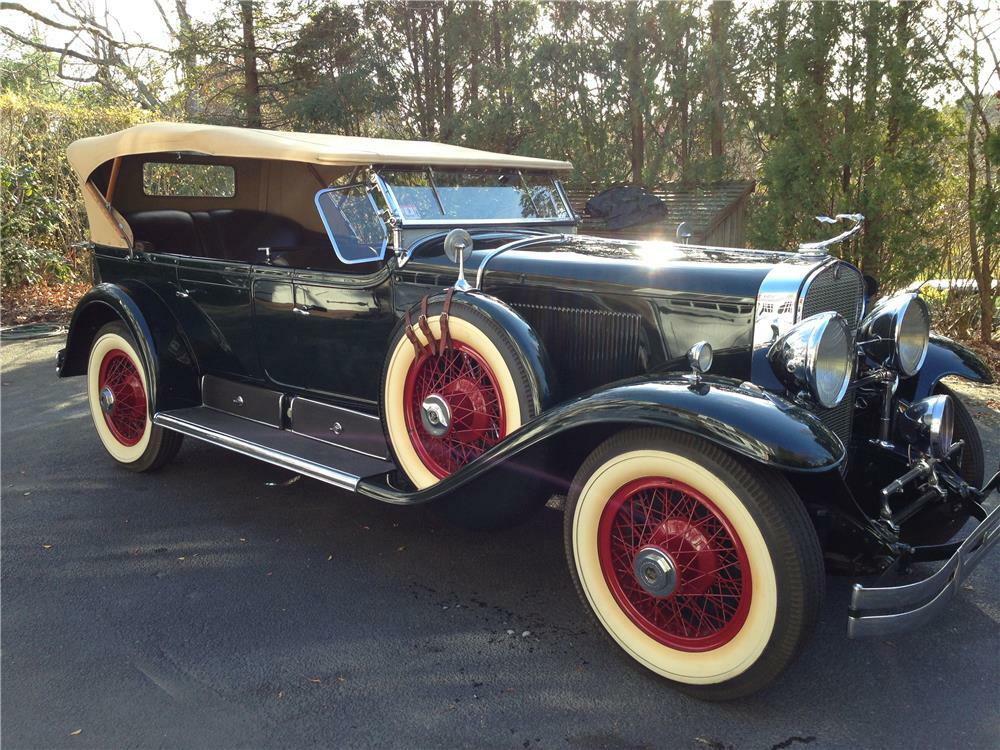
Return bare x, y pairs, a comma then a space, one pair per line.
496, 340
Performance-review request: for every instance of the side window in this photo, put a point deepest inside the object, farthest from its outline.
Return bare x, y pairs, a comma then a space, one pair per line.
353, 223
178, 180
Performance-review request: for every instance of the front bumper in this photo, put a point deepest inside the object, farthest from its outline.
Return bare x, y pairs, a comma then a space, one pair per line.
892, 609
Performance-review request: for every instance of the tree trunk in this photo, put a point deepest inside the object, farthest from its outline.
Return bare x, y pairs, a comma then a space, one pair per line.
474, 57
897, 74
251, 83
980, 260
780, 67
633, 72
189, 59
715, 86
871, 240
448, 63
683, 103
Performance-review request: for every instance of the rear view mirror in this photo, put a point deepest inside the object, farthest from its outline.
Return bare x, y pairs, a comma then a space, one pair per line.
353, 224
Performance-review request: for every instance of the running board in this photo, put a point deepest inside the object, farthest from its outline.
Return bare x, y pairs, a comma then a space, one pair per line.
334, 465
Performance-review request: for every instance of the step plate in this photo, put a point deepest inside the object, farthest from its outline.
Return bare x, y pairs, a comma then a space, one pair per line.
327, 463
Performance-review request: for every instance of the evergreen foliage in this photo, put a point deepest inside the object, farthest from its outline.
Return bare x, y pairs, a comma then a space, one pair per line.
830, 107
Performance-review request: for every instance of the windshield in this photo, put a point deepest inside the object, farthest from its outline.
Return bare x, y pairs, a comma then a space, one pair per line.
489, 195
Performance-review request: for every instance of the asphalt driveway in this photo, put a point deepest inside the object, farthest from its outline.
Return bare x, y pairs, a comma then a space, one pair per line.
202, 608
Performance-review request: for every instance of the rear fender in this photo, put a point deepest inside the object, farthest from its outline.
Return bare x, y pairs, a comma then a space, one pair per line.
944, 357
172, 370
752, 423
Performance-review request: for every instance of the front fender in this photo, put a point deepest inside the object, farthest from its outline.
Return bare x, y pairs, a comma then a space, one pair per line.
752, 423
944, 357
171, 369
530, 349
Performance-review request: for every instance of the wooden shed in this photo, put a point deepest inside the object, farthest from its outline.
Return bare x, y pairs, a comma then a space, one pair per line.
715, 212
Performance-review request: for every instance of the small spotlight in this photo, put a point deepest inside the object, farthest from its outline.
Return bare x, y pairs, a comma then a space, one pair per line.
700, 358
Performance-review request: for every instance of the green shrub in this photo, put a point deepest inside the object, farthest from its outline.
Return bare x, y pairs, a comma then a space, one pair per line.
43, 218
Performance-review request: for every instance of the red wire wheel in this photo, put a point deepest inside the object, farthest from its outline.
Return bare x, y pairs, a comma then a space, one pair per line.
125, 411
461, 379
709, 599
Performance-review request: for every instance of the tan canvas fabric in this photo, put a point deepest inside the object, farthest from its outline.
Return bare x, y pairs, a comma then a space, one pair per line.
323, 150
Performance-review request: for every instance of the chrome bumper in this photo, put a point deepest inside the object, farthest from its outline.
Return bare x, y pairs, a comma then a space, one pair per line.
881, 611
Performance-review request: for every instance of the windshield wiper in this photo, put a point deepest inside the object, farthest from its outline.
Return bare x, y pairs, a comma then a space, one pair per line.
527, 190
437, 196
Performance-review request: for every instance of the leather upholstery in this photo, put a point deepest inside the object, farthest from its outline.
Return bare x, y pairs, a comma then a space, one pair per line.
167, 231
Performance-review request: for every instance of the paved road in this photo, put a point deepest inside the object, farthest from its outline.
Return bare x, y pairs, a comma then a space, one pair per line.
200, 608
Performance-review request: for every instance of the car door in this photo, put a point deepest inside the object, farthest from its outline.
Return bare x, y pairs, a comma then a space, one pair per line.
216, 294
342, 331
276, 325
341, 315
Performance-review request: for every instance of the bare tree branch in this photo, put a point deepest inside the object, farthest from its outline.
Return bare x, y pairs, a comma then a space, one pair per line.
42, 47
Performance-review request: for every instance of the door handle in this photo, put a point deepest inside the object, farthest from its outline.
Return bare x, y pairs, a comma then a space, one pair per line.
306, 309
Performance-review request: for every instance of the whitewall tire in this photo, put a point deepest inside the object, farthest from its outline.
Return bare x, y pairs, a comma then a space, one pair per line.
118, 394
703, 569
443, 409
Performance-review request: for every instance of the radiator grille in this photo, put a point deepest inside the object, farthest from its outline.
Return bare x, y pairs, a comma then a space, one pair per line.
840, 418
837, 288
588, 348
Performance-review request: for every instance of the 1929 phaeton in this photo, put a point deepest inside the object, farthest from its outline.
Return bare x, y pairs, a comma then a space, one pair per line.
421, 323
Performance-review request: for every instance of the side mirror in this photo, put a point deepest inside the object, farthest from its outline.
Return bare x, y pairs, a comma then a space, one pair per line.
458, 248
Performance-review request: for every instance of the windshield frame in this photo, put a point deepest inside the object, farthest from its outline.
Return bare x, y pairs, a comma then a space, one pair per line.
401, 221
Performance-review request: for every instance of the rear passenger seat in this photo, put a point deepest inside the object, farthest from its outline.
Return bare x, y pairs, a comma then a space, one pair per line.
236, 235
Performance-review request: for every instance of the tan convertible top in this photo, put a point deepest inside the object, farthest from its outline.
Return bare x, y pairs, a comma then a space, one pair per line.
88, 154
108, 227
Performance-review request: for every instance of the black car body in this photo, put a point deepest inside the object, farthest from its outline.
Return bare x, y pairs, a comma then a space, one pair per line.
255, 336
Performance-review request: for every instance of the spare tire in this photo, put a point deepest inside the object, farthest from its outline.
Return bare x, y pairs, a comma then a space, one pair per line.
445, 405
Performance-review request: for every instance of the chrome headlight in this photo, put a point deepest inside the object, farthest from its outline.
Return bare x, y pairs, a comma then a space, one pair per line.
816, 354
901, 328
929, 424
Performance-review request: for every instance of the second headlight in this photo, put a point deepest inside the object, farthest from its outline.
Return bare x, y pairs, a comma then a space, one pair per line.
898, 330
816, 355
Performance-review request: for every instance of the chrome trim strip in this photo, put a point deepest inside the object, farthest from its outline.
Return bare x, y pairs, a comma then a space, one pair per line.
778, 298
409, 223
514, 245
263, 453
904, 607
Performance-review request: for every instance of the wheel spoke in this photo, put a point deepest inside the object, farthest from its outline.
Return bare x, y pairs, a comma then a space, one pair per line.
127, 417
461, 377
711, 595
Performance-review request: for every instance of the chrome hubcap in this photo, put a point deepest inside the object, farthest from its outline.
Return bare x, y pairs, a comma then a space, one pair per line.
107, 399
655, 571
435, 414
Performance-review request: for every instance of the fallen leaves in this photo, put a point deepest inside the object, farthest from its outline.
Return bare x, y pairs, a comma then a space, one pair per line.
50, 303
